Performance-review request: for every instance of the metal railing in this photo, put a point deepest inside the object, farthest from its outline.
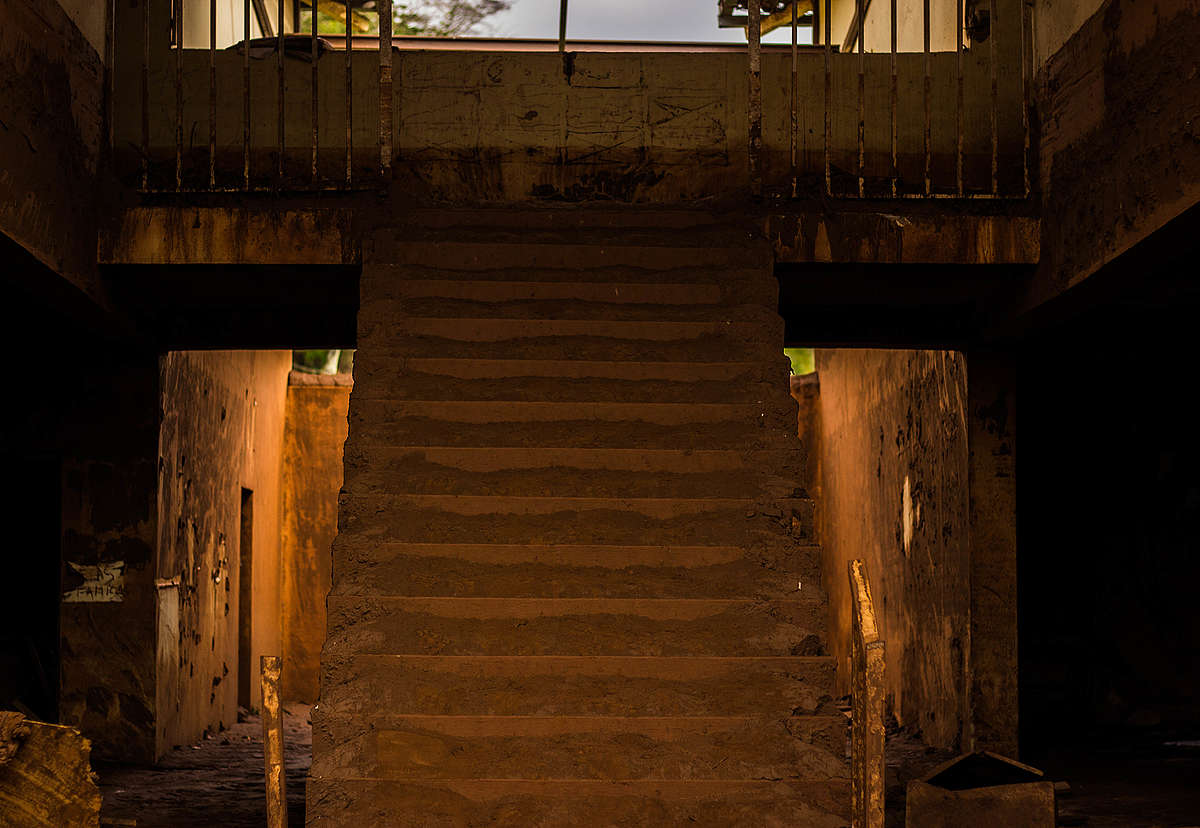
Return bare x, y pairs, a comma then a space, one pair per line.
867, 761
858, 141
893, 184
169, 44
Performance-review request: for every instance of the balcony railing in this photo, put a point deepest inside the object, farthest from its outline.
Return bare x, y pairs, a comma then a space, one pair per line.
916, 101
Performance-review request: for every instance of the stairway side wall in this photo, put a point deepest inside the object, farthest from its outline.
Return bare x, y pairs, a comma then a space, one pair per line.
891, 467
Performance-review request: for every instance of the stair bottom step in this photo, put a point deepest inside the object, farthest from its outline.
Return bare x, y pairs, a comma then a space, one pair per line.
339, 801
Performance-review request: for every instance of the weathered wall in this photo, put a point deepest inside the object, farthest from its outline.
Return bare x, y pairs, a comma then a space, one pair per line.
314, 433
1119, 111
106, 432
51, 125
891, 432
221, 432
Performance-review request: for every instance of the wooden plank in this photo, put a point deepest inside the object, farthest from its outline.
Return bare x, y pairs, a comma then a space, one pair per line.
45, 775
272, 719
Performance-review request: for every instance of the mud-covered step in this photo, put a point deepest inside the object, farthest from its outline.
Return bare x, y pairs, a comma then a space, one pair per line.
666, 220
388, 310
538, 413
706, 347
549, 253
753, 283
749, 803
772, 370
766, 570
387, 380
444, 427
373, 623
648, 235
364, 684
583, 747
570, 472
608, 294
566, 520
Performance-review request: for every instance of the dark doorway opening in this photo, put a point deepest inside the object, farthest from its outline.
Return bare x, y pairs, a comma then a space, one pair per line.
246, 672
31, 512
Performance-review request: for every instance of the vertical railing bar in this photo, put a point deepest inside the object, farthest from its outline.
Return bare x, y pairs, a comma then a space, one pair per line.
279, 115
794, 139
110, 14
314, 44
992, 30
894, 95
246, 94
960, 100
349, 96
828, 96
385, 88
212, 94
862, 95
1026, 65
178, 5
754, 102
145, 94
928, 94
562, 27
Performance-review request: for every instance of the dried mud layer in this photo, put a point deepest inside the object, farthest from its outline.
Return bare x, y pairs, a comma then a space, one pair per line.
215, 782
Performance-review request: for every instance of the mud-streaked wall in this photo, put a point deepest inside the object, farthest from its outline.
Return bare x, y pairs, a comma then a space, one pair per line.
892, 472
221, 432
51, 130
1118, 112
107, 438
314, 434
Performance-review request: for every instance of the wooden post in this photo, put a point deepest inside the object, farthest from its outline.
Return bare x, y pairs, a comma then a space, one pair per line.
867, 759
272, 719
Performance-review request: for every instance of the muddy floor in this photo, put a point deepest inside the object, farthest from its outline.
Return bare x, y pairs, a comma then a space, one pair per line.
217, 782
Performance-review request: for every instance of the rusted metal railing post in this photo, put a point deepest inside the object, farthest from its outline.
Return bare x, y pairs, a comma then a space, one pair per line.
562, 26
385, 89
960, 104
279, 49
828, 99
867, 761
212, 94
145, 94
992, 29
894, 106
862, 96
349, 93
315, 53
794, 90
754, 99
927, 93
178, 10
246, 94
272, 720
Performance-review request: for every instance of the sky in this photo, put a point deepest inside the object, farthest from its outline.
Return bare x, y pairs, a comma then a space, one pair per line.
651, 20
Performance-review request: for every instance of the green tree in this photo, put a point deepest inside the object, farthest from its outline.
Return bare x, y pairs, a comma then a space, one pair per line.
435, 18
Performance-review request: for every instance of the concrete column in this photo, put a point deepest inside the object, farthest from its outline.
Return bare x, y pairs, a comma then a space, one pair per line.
991, 430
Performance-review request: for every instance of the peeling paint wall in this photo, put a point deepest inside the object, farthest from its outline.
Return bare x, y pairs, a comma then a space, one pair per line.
315, 432
891, 431
221, 432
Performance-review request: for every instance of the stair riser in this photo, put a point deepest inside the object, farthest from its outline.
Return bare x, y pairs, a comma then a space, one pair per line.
768, 414
503, 256
417, 476
392, 521
478, 570
521, 627
389, 311
373, 381
565, 370
363, 685
490, 291
676, 749
441, 430
761, 804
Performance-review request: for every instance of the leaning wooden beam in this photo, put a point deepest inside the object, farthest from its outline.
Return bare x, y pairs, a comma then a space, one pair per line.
866, 683
272, 719
45, 775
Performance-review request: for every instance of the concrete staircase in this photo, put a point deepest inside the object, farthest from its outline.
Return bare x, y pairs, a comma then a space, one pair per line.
573, 583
